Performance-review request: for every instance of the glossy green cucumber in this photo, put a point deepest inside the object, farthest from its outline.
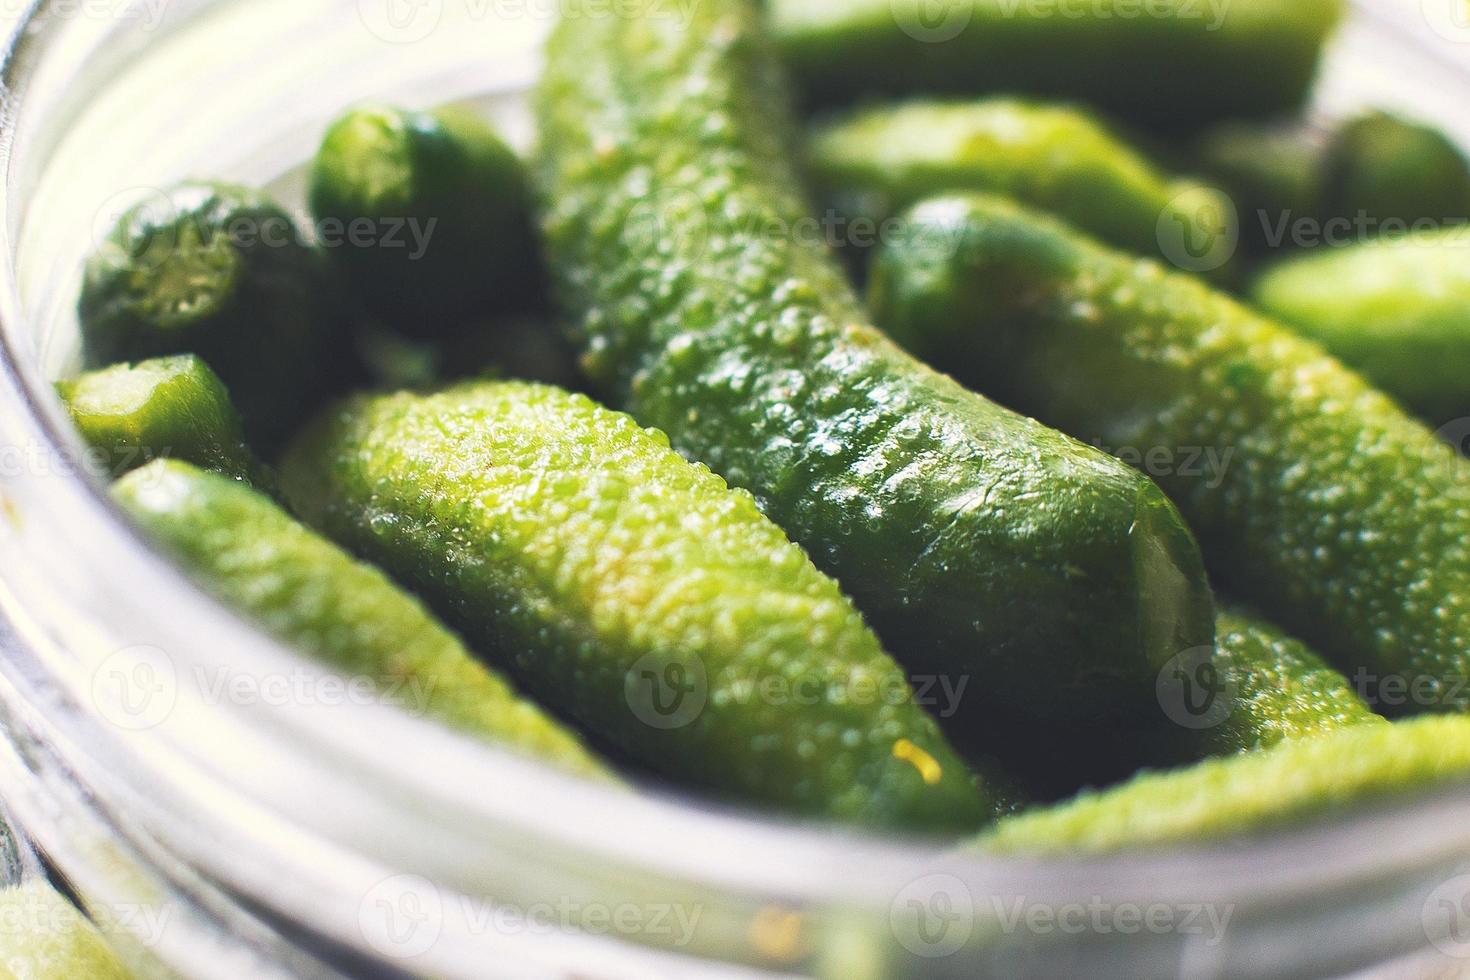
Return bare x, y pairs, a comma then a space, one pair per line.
1317, 499
340, 611
875, 162
1396, 308
44, 937
636, 593
1221, 58
1249, 794
1273, 689
986, 549
223, 272
427, 214
168, 406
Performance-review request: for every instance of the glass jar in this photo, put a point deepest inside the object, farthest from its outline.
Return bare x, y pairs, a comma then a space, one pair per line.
225, 809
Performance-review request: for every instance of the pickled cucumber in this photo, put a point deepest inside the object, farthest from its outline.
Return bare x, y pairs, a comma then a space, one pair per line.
877, 161
1396, 308
637, 594
1174, 64
223, 272
1318, 499
342, 612
987, 550
1394, 171
168, 406
430, 217
1277, 689
1251, 793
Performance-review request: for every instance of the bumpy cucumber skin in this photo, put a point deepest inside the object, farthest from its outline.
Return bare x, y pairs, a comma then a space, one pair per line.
1248, 794
1279, 689
582, 551
1204, 61
875, 162
220, 271
983, 546
44, 937
1395, 169
449, 172
1336, 514
1397, 309
167, 406
343, 612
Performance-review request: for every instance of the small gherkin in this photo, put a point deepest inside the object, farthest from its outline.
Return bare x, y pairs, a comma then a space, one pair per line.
635, 592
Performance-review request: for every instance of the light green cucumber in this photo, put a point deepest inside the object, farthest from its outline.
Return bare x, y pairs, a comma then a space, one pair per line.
1244, 795
1395, 308
636, 593
338, 610
169, 406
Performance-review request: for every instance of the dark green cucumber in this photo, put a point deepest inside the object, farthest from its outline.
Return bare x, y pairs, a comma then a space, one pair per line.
985, 548
1395, 308
1394, 171
1273, 173
1317, 499
1176, 64
168, 406
428, 216
346, 614
636, 593
220, 271
1249, 794
1375, 174
871, 164
1272, 689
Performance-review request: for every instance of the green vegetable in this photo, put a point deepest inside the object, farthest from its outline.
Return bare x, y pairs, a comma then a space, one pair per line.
877, 161
1375, 174
1219, 59
1273, 173
637, 594
168, 406
1274, 689
1391, 169
219, 271
342, 612
428, 216
1317, 499
1250, 793
986, 549
44, 937
1396, 308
